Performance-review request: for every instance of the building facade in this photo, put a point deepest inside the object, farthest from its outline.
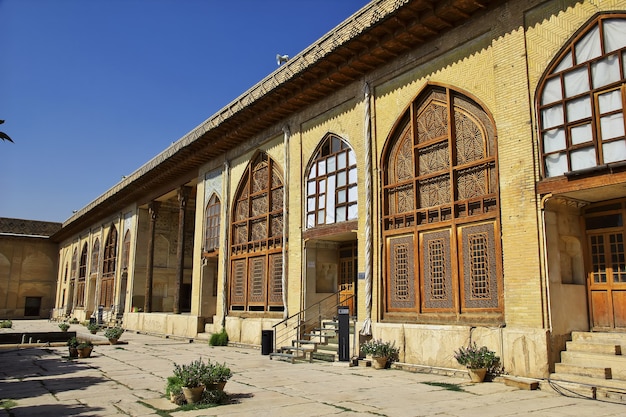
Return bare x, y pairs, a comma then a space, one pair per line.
452, 171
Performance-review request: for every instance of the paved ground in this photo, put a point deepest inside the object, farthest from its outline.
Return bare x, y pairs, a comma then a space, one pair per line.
129, 380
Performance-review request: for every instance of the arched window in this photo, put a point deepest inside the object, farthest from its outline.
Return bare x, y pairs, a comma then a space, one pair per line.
95, 256
212, 216
108, 268
440, 209
74, 270
126, 251
257, 238
82, 273
581, 100
331, 186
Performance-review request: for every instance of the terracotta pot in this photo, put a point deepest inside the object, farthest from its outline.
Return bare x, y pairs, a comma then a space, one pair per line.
84, 352
379, 362
219, 386
194, 394
73, 352
477, 375
113, 341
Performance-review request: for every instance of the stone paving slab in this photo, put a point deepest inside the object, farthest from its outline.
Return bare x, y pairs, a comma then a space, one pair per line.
129, 380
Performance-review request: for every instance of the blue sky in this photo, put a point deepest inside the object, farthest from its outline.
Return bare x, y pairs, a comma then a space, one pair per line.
92, 89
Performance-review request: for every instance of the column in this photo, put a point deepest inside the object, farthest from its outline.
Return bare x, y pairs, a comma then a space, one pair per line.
183, 196
153, 210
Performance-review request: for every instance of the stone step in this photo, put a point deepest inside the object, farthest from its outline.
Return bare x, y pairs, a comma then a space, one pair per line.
594, 347
606, 384
589, 371
617, 363
601, 337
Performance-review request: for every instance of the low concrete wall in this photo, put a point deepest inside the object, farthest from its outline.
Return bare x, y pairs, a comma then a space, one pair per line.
248, 330
182, 325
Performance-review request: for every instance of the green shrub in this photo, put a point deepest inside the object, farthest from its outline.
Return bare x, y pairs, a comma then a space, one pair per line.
64, 326
6, 324
219, 339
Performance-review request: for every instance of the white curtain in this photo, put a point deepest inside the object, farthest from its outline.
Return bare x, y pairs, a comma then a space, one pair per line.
614, 34
589, 46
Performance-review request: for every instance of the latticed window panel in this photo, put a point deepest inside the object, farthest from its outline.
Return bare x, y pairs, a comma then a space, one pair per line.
80, 294
434, 191
110, 253
331, 189
480, 278
74, 272
212, 223
618, 261
257, 232
276, 279
437, 270
401, 281
95, 256
434, 159
598, 259
432, 119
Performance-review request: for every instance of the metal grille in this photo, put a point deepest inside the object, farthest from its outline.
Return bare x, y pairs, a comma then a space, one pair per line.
437, 270
276, 279
257, 280
479, 266
402, 273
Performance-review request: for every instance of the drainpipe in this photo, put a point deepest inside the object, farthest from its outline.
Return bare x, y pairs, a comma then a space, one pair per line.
543, 202
225, 258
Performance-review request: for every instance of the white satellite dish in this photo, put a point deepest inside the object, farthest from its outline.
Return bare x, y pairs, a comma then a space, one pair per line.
281, 59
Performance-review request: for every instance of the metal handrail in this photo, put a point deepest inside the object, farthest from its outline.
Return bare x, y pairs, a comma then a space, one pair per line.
293, 329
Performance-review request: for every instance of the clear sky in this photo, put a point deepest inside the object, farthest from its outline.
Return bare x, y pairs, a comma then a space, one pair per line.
90, 90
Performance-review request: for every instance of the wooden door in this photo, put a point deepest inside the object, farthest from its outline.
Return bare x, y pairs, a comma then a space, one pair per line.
346, 280
607, 280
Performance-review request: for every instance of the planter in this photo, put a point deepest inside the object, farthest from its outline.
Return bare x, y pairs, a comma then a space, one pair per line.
379, 362
73, 352
113, 341
93, 331
218, 386
477, 375
194, 394
84, 352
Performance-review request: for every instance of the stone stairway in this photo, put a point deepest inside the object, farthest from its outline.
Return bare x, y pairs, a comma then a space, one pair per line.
592, 366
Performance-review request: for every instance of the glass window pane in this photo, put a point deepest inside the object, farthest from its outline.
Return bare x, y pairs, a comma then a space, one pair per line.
321, 202
352, 211
312, 172
330, 202
340, 215
351, 157
614, 34
341, 179
320, 217
352, 176
310, 220
610, 101
583, 158
331, 165
321, 186
341, 161
311, 188
581, 134
336, 145
342, 196
556, 164
605, 71
553, 140
565, 63
552, 91
614, 151
576, 82
552, 116
588, 47
310, 205
612, 126
578, 109
321, 167
352, 193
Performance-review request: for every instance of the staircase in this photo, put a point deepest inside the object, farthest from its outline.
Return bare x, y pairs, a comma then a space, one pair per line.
311, 333
592, 366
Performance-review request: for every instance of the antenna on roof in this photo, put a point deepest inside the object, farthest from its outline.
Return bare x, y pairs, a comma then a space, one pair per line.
281, 59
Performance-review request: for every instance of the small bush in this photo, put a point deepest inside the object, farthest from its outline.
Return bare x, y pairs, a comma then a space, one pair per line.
219, 339
64, 326
6, 324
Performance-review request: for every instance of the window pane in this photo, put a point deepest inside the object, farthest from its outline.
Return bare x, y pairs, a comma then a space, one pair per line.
321, 186
340, 215
614, 151
552, 116
583, 158
352, 193
581, 134
352, 211
352, 176
578, 109
311, 188
351, 157
312, 173
341, 179
342, 196
320, 217
605, 71
552, 91
610, 101
553, 140
321, 167
614, 34
588, 47
576, 82
556, 164
310, 220
331, 165
321, 202
612, 126
310, 205
330, 203
565, 63
341, 161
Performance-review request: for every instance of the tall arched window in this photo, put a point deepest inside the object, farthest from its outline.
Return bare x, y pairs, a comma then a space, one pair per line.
95, 256
581, 100
257, 238
212, 216
331, 186
82, 273
440, 210
126, 251
108, 269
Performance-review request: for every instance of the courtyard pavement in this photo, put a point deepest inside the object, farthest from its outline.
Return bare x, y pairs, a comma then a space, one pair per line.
129, 380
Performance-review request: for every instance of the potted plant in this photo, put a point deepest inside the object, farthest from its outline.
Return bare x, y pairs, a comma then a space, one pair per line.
382, 353
113, 334
218, 375
174, 389
72, 343
64, 326
93, 328
192, 376
478, 360
84, 349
